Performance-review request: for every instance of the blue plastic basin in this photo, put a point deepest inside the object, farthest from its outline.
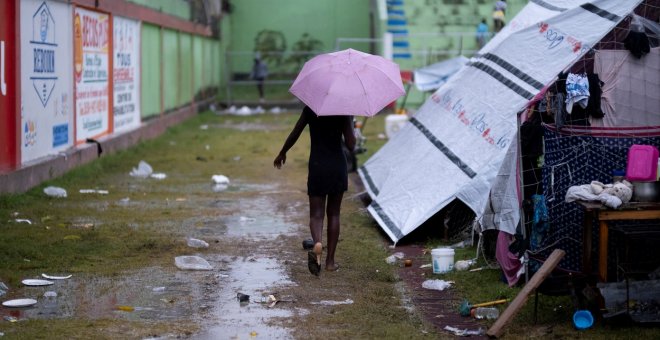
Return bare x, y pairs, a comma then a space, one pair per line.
583, 319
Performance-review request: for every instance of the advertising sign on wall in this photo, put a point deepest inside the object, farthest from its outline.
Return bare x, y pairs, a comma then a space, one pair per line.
8, 112
46, 98
126, 74
91, 72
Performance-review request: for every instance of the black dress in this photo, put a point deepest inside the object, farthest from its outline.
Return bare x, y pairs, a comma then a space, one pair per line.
327, 164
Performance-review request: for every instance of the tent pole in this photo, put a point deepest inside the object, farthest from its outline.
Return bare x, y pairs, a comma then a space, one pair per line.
521, 183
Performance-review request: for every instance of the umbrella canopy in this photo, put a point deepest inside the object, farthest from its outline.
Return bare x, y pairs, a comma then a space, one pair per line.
348, 82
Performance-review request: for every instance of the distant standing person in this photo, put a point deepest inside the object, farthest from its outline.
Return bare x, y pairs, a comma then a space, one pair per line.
327, 178
482, 33
259, 73
499, 11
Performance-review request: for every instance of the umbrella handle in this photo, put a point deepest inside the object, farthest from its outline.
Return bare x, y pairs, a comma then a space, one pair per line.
490, 303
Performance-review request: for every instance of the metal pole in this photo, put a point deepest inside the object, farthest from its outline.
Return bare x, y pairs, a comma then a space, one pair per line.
228, 77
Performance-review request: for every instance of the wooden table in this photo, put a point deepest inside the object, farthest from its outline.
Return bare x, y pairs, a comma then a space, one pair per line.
603, 214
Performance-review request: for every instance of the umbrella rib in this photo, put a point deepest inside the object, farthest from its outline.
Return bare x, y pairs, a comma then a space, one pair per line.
365, 92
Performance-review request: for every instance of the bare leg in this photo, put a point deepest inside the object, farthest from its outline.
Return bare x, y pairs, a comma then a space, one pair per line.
260, 88
333, 211
316, 216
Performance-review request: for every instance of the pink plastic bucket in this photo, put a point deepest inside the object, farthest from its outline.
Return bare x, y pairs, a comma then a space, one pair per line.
642, 163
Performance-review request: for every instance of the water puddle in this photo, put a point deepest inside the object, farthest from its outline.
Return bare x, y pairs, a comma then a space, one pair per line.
257, 277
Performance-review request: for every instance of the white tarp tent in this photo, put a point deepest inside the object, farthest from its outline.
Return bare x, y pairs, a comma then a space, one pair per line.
458, 141
431, 77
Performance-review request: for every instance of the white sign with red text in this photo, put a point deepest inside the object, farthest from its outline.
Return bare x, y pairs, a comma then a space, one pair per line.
126, 74
91, 72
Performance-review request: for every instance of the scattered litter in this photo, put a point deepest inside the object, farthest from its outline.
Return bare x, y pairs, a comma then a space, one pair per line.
192, 263
124, 201
204, 127
219, 187
19, 303
428, 265
437, 284
220, 179
3, 288
464, 332
201, 159
476, 269
382, 136
94, 191
51, 277
244, 219
333, 303
207, 147
462, 244
10, 318
253, 334
463, 264
392, 259
37, 282
23, 220
143, 170
158, 289
276, 110
195, 243
181, 199
242, 297
243, 111
126, 308
270, 300
159, 175
237, 158
258, 109
55, 192
223, 276
50, 293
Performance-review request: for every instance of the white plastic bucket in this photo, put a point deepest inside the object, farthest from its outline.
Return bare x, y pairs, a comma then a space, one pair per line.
443, 260
393, 123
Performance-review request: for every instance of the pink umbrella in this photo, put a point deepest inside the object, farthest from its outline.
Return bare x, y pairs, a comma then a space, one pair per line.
348, 82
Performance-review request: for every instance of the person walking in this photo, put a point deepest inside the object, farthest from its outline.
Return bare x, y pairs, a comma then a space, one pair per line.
327, 178
482, 33
259, 73
499, 11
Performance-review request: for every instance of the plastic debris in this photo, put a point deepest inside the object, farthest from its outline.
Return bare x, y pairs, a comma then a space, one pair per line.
192, 263
143, 170
219, 187
126, 308
242, 297
55, 191
437, 284
463, 264
464, 332
23, 220
10, 318
195, 243
244, 219
94, 191
220, 179
50, 293
276, 110
392, 259
159, 175
333, 303
204, 127
3, 288
253, 334
51, 277
158, 289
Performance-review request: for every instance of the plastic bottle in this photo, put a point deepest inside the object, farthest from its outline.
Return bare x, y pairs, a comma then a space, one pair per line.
486, 313
55, 192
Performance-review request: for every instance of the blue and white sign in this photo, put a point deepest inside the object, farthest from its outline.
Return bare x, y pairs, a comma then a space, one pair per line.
46, 78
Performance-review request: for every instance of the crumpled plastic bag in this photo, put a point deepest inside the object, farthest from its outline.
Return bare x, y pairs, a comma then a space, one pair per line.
437, 284
192, 263
143, 170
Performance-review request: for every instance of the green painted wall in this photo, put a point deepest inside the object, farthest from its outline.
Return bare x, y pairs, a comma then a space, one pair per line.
179, 8
184, 83
324, 20
171, 76
150, 71
198, 59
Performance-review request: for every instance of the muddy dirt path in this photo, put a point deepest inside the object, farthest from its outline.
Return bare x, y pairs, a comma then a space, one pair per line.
254, 227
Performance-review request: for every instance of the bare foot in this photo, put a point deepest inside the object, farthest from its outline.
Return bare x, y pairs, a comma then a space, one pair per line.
318, 249
332, 268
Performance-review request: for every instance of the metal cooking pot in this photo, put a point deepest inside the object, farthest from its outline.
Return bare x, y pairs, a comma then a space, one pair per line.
646, 191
